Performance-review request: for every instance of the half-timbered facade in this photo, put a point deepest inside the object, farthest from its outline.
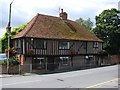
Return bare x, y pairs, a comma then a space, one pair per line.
56, 41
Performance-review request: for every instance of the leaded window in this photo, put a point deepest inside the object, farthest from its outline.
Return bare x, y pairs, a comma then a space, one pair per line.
64, 45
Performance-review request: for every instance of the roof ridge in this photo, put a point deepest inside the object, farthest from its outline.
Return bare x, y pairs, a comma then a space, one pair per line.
48, 15
35, 18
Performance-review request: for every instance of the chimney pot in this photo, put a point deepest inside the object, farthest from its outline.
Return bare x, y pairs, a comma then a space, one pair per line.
61, 10
63, 15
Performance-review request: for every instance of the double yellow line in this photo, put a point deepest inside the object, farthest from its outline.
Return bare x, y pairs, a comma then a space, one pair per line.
96, 85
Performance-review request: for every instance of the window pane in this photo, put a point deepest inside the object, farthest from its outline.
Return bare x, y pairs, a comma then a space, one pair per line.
65, 60
64, 45
39, 44
95, 44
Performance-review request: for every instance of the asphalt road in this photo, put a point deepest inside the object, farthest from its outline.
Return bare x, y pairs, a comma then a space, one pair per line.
104, 77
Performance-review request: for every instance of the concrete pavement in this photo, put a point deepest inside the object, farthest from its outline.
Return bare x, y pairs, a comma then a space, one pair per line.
5, 76
8, 75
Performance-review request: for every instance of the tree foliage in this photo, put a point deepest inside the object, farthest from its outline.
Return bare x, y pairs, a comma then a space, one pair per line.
86, 23
108, 29
4, 39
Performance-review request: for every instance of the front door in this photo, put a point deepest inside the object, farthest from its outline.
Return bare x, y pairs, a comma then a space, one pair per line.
50, 63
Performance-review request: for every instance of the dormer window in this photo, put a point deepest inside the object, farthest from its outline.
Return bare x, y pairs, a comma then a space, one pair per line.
64, 45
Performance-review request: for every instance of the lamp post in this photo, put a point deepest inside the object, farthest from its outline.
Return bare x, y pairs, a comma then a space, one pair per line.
9, 31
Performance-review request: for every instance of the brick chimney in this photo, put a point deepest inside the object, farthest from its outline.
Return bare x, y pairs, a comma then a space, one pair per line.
63, 15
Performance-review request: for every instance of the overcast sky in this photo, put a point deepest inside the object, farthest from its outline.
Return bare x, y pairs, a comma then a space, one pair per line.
24, 10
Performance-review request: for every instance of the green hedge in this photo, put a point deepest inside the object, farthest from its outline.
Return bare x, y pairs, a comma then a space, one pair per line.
1, 61
12, 61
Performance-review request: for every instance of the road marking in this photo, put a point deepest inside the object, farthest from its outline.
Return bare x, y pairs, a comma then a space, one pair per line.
60, 79
103, 83
20, 83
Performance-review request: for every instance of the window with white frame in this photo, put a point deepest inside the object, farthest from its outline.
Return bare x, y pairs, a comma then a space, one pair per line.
95, 44
65, 60
64, 45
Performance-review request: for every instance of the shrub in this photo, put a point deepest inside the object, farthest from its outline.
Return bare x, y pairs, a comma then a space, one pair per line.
12, 61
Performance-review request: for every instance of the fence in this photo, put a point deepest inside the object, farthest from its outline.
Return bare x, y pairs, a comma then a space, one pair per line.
42, 68
17, 69
56, 67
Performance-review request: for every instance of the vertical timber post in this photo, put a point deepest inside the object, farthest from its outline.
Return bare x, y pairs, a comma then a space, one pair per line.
30, 68
46, 64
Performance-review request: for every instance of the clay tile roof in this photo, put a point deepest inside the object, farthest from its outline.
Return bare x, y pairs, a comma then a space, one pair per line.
50, 27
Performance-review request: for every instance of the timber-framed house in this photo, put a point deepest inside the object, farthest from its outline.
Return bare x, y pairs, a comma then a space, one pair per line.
51, 42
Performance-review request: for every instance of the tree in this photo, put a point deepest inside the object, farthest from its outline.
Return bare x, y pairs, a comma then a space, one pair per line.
86, 23
4, 39
0, 45
107, 28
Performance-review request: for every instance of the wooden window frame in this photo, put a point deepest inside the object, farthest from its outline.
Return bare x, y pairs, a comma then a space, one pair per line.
95, 44
84, 45
18, 43
41, 45
65, 60
67, 47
